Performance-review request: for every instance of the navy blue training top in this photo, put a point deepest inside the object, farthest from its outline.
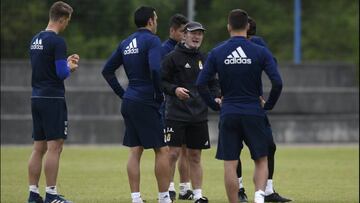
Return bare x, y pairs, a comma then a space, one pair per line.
168, 46
239, 64
258, 40
140, 54
46, 49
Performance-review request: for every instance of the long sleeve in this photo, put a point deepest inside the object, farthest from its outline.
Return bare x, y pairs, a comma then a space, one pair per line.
202, 82
214, 87
260, 41
213, 83
270, 68
108, 72
62, 69
154, 57
167, 76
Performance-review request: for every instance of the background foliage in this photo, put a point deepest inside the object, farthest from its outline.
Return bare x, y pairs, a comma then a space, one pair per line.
330, 29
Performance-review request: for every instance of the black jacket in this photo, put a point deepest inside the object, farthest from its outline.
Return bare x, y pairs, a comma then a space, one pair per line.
180, 68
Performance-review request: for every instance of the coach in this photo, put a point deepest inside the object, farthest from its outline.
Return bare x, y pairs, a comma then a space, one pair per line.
185, 112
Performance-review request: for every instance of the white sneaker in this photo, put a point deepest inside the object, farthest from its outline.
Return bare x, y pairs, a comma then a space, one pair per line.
138, 201
167, 200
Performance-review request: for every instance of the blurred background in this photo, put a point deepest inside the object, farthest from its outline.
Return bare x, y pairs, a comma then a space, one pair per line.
315, 42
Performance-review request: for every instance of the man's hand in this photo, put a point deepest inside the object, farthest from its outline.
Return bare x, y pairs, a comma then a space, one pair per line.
262, 101
219, 101
182, 93
73, 61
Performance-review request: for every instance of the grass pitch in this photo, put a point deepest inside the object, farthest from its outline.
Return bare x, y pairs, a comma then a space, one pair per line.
93, 174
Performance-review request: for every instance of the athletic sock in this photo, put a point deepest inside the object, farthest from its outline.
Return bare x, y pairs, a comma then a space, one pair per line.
188, 186
197, 194
164, 197
51, 190
172, 186
34, 189
240, 183
184, 187
259, 196
269, 187
136, 197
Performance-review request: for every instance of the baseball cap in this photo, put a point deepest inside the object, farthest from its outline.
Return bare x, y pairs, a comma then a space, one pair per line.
192, 26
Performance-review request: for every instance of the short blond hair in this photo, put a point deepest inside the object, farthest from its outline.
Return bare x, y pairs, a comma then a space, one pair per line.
60, 9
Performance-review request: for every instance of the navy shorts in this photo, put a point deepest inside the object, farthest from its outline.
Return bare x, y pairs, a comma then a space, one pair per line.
193, 135
143, 125
50, 120
236, 128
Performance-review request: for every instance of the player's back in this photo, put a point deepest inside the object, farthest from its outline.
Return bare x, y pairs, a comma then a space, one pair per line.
141, 53
168, 46
45, 48
239, 69
239, 64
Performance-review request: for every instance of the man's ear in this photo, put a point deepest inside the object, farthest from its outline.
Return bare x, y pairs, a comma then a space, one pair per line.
150, 22
229, 28
172, 30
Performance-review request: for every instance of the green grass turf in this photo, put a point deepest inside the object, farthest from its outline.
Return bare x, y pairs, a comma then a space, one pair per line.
90, 174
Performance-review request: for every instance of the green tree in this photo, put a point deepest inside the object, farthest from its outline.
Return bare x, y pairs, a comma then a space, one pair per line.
329, 28
19, 21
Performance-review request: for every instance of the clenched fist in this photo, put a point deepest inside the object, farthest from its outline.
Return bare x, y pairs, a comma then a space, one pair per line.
73, 62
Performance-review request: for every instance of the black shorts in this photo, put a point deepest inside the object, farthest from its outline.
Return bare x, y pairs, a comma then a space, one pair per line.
193, 135
143, 125
236, 128
50, 120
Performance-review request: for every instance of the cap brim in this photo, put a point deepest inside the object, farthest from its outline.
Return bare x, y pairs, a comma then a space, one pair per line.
194, 29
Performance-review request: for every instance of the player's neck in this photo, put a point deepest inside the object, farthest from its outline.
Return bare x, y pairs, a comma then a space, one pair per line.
172, 36
148, 28
53, 27
238, 33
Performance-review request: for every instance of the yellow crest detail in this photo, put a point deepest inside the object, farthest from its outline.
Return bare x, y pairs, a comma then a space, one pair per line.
200, 65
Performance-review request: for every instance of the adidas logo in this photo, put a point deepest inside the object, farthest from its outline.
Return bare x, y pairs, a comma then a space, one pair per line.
187, 65
66, 127
37, 44
57, 201
131, 48
238, 56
